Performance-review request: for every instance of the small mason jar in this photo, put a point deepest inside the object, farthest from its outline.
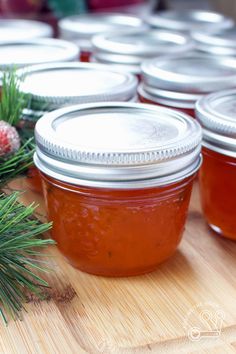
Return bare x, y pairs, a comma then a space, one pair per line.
52, 86
178, 81
216, 113
117, 180
81, 28
189, 20
128, 50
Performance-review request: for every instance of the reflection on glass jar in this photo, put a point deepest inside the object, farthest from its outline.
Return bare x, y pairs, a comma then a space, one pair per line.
116, 176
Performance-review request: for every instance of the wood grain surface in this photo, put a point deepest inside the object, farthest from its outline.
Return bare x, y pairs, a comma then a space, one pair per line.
154, 313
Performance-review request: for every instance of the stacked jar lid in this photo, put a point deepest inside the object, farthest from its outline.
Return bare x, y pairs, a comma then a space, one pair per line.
81, 28
127, 51
178, 81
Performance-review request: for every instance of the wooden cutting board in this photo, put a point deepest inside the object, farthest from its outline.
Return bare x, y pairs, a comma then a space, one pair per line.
193, 293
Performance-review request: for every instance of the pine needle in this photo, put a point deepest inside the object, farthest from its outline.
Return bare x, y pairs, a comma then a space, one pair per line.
13, 101
19, 243
12, 104
17, 163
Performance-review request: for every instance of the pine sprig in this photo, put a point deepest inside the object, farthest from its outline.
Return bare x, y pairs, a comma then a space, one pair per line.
18, 163
12, 104
18, 250
13, 101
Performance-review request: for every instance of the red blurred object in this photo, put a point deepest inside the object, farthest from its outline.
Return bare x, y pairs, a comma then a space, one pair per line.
21, 7
96, 5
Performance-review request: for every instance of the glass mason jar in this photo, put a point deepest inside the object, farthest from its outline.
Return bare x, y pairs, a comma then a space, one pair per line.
129, 49
178, 81
80, 29
189, 20
52, 86
216, 113
114, 175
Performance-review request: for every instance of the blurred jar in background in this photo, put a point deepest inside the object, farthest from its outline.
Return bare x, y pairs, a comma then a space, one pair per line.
178, 81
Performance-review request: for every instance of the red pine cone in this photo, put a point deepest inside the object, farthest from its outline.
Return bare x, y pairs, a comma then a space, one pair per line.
9, 139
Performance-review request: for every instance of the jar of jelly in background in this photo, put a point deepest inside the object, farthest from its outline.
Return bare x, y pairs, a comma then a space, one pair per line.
14, 34
216, 42
19, 29
81, 28
178, 81
189, 20
117, 181
52, 86
21, 53
216, 113
128, 50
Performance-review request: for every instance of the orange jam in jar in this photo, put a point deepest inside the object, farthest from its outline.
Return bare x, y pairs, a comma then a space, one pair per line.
54, 86
178, 81
216, 113
117, 181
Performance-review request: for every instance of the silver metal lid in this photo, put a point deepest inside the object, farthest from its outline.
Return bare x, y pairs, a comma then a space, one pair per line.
217, 114
117, 145
55, 85
216, 42
169, 98
16, 29
189, 20
81, 28
36, 51
131, 49
143, 44
190, 72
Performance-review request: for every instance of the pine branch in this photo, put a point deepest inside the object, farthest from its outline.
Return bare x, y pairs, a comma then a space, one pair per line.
18, 250
13, 101
17, 163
